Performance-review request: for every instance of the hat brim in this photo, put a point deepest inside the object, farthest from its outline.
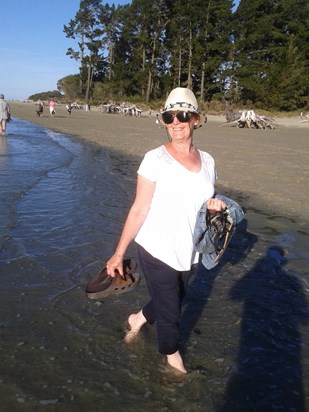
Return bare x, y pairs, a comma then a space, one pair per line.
202, 120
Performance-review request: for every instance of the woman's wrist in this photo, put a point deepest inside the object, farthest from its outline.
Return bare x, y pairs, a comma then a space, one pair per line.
119, 255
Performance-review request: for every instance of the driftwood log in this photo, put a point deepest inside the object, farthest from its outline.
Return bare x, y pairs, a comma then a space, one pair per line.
251, 120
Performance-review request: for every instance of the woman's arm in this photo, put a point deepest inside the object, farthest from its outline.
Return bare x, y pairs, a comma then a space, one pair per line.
136, 217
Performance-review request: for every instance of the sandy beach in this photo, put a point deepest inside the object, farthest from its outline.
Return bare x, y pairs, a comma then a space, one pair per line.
269, 168
244, 329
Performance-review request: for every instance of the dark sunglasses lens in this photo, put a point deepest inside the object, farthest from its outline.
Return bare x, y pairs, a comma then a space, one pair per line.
182, 117
168, 117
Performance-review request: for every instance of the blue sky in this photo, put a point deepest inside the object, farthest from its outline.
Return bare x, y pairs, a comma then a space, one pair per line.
33, 46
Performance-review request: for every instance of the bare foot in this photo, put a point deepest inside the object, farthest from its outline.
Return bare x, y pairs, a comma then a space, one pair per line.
135, 321
175, 361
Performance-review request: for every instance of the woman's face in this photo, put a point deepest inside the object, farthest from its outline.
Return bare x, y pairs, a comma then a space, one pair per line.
180, 131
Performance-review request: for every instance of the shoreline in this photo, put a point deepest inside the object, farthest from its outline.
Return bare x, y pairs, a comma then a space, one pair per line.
268, 166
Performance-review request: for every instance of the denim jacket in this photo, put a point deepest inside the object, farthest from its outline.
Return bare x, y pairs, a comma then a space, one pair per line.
202, 237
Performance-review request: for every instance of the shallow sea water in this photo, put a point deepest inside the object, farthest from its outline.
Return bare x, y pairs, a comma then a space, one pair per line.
245, 324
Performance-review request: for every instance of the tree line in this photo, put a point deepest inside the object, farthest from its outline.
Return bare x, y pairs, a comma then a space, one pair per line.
256, 55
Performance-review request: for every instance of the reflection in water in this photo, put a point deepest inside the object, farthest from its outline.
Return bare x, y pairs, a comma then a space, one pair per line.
3, 154
268, 373
3, 145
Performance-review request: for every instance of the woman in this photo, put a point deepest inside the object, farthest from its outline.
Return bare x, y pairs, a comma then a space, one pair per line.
52, 107
174, 180
40, 109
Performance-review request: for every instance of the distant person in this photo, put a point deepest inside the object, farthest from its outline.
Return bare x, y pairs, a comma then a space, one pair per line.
5, 115
52, 107
69, 109
40, 109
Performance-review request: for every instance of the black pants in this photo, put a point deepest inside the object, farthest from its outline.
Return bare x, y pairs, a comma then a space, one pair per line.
167, 288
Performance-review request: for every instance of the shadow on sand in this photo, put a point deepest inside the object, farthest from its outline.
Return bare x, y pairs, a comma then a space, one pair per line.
267, 375
201, 286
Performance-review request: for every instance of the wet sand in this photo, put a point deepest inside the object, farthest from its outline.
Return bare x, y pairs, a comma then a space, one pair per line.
245, 324
268, 167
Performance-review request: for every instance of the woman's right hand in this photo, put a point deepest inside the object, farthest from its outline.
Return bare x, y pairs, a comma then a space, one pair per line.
113, 264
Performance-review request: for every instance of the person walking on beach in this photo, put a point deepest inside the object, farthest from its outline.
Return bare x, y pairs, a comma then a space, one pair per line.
40, 109
174, 180
52, 106
69, 109
5, 115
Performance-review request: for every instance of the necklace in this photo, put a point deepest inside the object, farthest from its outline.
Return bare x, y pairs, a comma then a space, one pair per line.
191, 150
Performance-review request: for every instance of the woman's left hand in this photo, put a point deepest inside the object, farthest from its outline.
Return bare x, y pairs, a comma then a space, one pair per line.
215, 205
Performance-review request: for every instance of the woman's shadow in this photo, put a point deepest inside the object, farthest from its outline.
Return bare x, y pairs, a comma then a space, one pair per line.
268, 372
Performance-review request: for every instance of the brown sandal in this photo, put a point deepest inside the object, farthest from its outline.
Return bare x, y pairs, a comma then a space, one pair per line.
103, 285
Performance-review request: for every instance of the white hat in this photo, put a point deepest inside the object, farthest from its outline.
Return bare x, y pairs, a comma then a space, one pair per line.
183, 99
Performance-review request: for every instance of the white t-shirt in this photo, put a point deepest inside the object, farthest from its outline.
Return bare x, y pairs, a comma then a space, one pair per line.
179, 194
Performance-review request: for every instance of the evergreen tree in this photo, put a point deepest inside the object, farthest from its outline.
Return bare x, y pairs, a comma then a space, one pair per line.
198, 40
110, 21
129, 66
86, 28
259, 54
214, 48
139, 50
271, 43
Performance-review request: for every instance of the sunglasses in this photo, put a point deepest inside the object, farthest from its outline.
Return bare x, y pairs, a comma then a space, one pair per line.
182, 117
